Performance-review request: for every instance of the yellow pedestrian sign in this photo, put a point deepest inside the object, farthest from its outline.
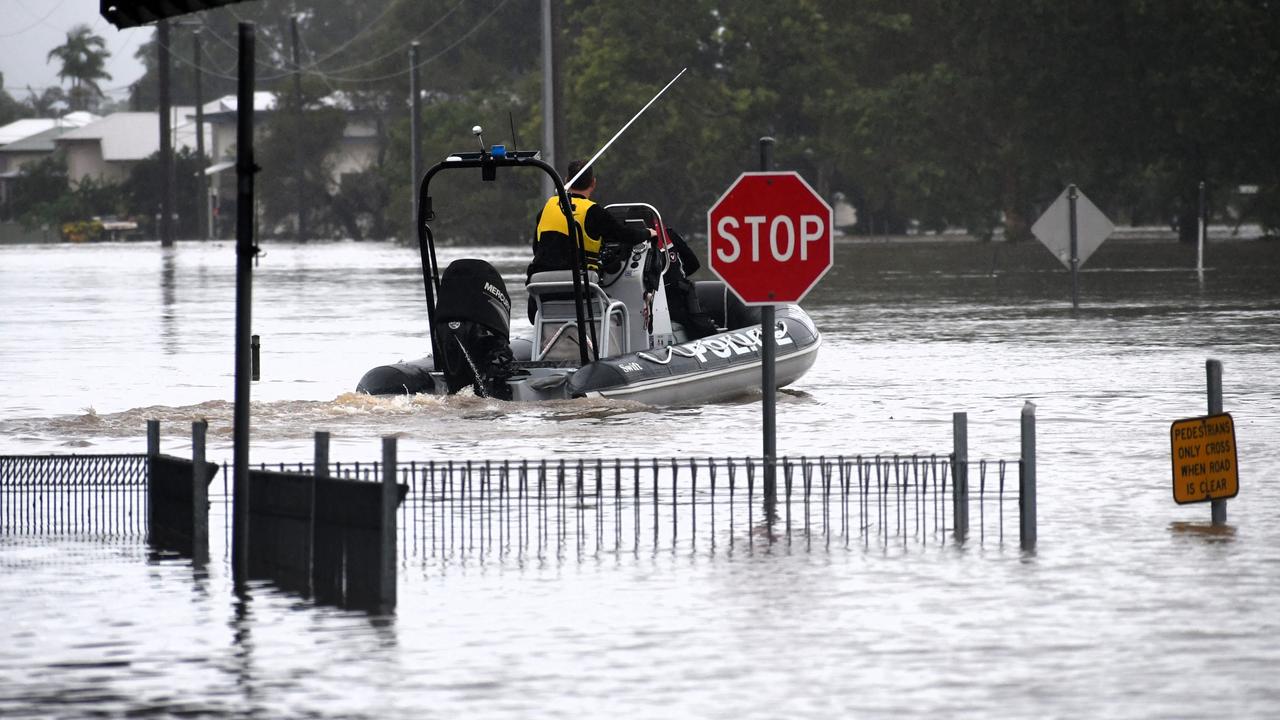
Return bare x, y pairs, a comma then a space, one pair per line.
1204, 459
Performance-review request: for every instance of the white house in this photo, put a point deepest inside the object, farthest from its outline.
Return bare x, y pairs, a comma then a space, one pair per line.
27, 127
108, 149
30, 140
358, 150
359, 138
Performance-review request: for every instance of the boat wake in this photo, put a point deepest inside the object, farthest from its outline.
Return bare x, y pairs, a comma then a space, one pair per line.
349, 415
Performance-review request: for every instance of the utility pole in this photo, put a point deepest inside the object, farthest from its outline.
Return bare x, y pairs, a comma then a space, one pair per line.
246, 251
202, 180
166, 137
415, 142
555, 152
297, 137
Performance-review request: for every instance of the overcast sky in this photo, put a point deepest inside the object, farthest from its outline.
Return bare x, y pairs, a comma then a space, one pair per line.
29, 29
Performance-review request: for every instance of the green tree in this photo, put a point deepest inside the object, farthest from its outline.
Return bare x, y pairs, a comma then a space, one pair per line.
314, 137
10, 109
38, 183
1207, 86
49, 102
83, 57
924, 112
468, 210
688, 145
43, 196
141, 192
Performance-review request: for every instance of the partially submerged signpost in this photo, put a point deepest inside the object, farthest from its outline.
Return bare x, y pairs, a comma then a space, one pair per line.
769, 239
1205, 464
1204, 459
1072, 228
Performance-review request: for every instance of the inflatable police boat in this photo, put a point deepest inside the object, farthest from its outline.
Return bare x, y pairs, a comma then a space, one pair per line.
611, 335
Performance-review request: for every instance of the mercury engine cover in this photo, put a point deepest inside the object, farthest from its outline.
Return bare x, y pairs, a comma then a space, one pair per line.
473, 329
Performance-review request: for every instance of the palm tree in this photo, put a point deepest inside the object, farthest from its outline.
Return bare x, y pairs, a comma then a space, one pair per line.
83, 57
49, 102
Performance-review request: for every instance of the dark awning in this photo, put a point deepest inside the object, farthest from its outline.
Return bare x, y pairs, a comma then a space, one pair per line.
132, 13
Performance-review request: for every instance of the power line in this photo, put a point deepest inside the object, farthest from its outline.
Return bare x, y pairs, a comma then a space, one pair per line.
400, 73
46, 16
346, 43
335, 75
399, 50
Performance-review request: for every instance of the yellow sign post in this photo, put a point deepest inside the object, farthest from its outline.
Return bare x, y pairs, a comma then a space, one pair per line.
1204, 459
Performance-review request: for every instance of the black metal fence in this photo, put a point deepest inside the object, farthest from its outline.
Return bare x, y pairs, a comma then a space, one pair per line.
579, 505
87, 495
553, 507
583, 505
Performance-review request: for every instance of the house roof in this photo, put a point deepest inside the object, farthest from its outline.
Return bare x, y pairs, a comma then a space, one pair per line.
27, 127
40, 142
225, 106
129, 136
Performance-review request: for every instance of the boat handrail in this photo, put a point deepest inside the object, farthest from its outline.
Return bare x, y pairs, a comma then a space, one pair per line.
488, 163
606, 329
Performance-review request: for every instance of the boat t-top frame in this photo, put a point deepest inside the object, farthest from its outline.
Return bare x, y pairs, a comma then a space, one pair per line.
488, 161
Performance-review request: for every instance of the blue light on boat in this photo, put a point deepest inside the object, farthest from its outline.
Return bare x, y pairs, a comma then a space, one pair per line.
499, 151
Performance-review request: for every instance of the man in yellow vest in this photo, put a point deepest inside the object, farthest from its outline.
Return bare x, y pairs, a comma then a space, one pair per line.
553, 246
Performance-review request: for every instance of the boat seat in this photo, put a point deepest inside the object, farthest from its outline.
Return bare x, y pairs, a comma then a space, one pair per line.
556, 280
555, 320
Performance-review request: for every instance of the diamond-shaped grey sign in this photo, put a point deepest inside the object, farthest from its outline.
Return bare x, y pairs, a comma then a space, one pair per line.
1054, 228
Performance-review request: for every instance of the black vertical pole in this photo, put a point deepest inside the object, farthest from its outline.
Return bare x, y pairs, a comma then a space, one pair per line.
153, 451
1075, 248
166, 137
1213, 378
1027, 479
246, 248
297, 129
960, 474
415, 122
768, 378
387, 547
1202, 231
199, 495
202, 180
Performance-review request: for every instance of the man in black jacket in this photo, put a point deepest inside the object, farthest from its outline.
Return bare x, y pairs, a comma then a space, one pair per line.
602, 235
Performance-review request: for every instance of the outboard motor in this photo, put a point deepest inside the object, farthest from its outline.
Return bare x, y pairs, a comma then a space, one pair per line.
473, 329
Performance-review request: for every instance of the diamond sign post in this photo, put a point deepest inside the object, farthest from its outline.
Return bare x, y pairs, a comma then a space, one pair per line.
1072, 228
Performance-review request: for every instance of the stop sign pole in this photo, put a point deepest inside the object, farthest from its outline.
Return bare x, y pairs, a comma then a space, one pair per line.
768, 375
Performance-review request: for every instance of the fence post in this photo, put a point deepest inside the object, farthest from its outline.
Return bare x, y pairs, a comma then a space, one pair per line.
1213, 374
387, 576
960, 474
1027, 479
153, 450
322, 454
319, 472
199, 495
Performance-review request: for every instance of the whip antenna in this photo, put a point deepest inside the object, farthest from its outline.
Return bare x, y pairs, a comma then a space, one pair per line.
600, 152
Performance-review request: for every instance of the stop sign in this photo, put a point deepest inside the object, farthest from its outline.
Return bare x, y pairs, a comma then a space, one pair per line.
769, 237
